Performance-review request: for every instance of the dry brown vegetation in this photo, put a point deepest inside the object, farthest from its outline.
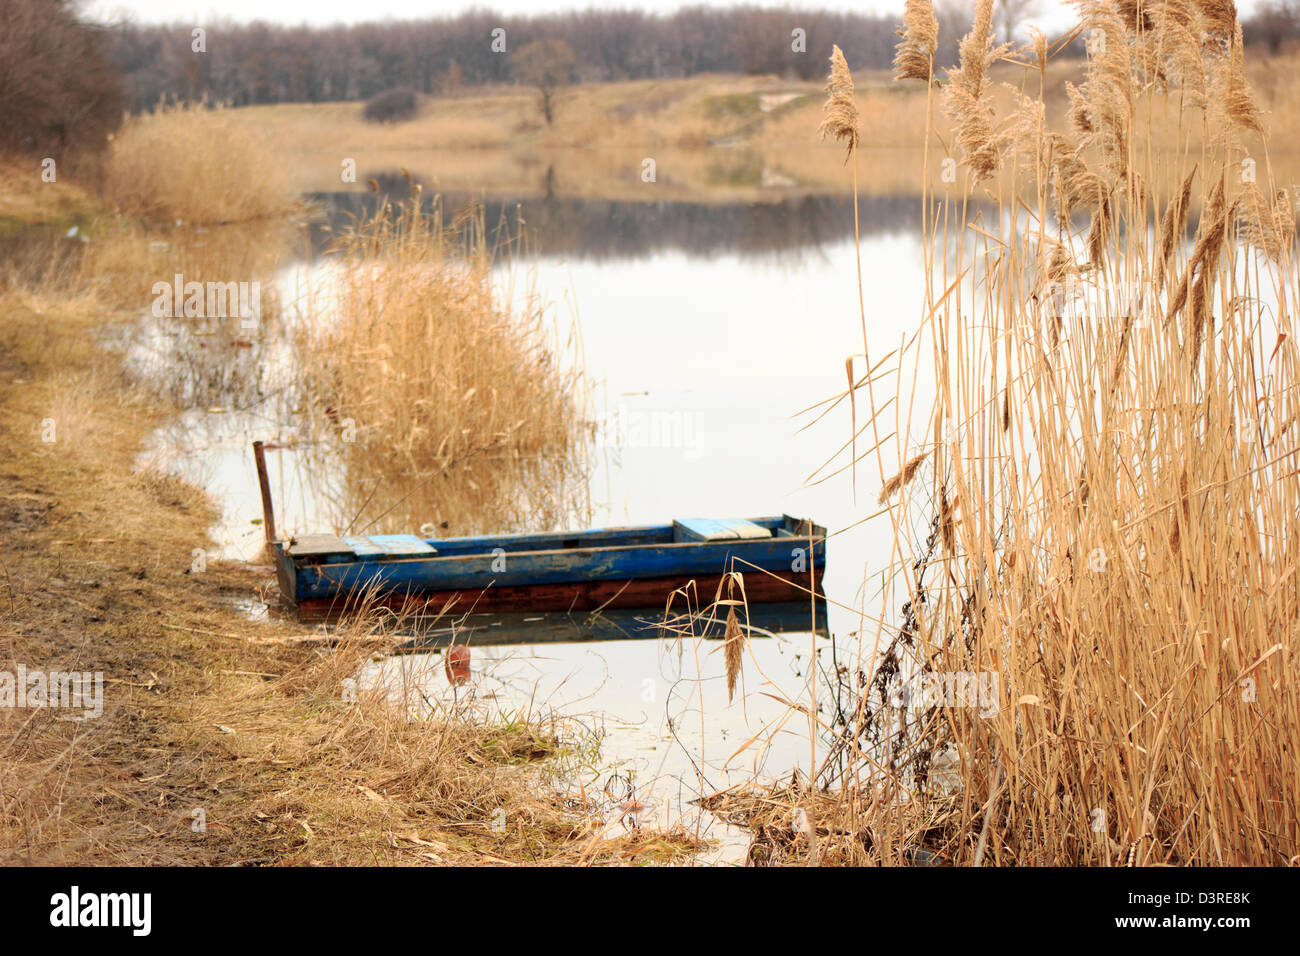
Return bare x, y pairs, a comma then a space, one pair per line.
1098, 510
203, 708
493, 139
453, 403
25, 199
1098, 507
194, 163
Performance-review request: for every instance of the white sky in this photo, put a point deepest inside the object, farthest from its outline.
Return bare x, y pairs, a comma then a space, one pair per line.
1055, 14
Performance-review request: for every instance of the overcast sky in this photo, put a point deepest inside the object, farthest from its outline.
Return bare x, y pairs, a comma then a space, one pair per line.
1055, 14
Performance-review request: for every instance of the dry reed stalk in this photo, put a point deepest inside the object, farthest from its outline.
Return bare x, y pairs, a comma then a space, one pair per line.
1116, 535
840, 121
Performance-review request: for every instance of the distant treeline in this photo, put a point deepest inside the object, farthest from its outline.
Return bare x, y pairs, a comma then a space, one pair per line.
62, 81
265, 63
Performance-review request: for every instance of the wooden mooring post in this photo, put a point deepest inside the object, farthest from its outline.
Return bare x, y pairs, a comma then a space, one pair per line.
268, 513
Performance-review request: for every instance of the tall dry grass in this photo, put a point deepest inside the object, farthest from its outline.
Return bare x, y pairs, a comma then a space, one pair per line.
1097, 512
196, 163
452, 404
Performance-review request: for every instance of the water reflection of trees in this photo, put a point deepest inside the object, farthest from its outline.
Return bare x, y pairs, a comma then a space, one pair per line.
601, 230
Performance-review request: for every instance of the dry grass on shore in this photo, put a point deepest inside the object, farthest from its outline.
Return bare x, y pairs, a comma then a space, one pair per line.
27, 199
1098, 512
495, 139
196, 164
206, 710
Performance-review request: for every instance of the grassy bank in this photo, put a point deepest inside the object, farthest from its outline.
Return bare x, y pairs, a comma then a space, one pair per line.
27, 200
714, 138
224, 739
204, 709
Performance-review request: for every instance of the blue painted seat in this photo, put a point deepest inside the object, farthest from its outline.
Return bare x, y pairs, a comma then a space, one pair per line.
375, 545
718, 529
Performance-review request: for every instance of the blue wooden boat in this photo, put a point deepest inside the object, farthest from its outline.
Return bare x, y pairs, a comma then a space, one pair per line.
324, 575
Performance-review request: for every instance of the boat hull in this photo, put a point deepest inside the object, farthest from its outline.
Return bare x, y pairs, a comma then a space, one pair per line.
759, 587
326, 577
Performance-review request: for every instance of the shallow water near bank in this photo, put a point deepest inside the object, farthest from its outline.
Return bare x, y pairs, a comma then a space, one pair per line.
699, 359
659, 710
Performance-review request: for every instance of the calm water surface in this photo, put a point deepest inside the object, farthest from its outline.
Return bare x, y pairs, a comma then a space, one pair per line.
704, 330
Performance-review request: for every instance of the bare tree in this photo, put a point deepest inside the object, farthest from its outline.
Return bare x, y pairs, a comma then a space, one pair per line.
57, 90
1010, 15
546, 64
1274, 24
956, 17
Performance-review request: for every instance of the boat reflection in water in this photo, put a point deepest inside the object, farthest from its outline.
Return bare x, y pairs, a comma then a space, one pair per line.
756, 621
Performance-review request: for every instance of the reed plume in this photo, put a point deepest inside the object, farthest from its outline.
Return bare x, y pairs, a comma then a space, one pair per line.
947, 525
1206, 256
1179, 27
1099, 231
914, 56
1101, 110
966, 98
1220, 16
1057, 270
1238, 102
1267, 227
1038, 42
840, 111
903, 478
1135, 14
733, 649
1172, 227
1074, 184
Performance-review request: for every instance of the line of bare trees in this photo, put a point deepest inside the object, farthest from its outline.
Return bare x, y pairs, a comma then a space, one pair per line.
265, 63
63, 82
1275, 25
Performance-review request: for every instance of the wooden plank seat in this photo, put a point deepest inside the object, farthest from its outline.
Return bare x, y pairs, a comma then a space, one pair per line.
718, 529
